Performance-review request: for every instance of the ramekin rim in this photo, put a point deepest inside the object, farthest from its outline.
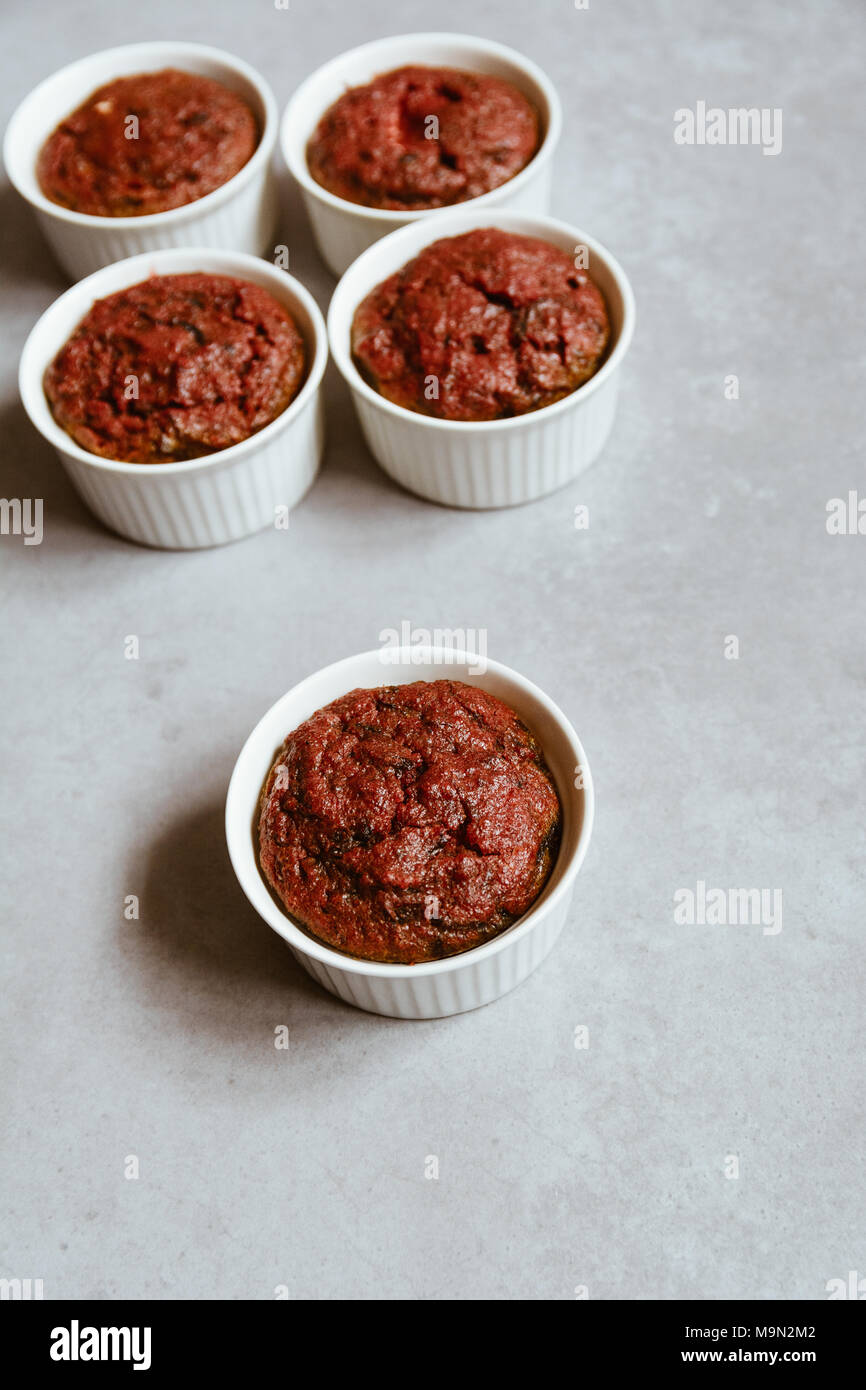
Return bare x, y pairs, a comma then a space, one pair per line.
260, 157
349, 372
57, 437
396, 217
309, 945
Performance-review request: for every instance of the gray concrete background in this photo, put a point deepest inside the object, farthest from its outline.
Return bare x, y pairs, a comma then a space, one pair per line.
559, 1167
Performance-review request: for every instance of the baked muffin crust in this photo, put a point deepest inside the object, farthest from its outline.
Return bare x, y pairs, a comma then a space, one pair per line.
147, 143
481, 326
422, 137
409, 822
176, 367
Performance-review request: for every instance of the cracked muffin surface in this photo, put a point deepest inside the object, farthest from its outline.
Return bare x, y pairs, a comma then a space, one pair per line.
409, 822
481, 326
176, 367
422, 137
147, 143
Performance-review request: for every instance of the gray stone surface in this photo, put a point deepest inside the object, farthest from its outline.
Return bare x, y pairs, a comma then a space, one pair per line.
559, 1167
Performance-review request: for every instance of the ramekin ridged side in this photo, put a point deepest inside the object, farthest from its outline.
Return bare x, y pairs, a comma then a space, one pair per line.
200, 502
434, 989
497, 463
499, 468
240, 215
439, 996
343, 230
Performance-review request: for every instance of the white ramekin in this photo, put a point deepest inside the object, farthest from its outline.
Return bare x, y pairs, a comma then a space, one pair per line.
342, 229
495, 463
239, 216
438, 988
205, 501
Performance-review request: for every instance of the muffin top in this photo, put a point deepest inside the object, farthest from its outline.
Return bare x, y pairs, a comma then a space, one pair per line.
423, 137
147, 143
481, 327
409, 822
176, 367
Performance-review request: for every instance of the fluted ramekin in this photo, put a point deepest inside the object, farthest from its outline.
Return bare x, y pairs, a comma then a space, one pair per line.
199, 502
343, 230
488, 463
240, 215
433, 989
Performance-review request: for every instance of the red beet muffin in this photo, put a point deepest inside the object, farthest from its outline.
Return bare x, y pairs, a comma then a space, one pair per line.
189, 136
410, 822
481, 327
423, 137
176, 367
